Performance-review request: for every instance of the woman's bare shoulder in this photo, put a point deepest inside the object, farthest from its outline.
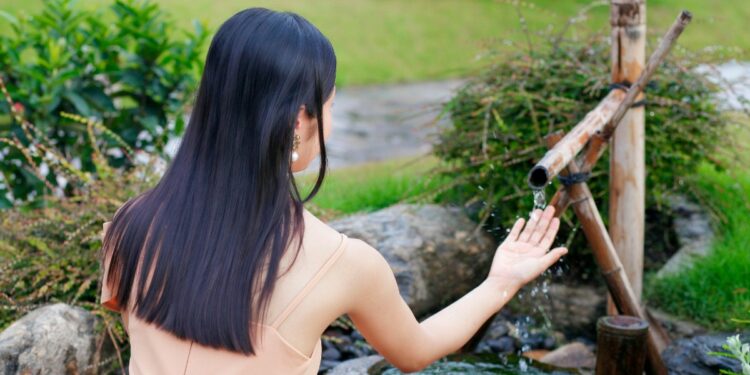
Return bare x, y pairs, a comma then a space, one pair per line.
359, 260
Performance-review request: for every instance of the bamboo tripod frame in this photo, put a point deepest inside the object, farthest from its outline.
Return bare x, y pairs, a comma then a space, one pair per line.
595, 131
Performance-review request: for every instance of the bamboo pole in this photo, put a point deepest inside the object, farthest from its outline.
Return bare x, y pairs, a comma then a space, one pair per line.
627, 176
561, 155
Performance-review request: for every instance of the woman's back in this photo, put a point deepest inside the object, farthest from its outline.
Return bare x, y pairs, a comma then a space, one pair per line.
305, 300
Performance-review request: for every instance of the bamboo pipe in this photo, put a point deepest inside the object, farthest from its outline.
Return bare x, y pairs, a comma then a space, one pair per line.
565, 151
606, 257
603, 119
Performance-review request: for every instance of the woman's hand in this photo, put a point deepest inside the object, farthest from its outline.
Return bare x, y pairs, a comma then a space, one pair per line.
523, 255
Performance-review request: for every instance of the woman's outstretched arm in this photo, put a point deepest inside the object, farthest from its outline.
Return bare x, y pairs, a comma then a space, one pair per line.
388, 324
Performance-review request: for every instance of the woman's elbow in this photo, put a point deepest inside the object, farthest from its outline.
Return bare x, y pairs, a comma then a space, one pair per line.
412, 366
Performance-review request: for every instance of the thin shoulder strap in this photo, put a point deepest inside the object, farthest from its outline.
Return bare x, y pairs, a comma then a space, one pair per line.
311, 283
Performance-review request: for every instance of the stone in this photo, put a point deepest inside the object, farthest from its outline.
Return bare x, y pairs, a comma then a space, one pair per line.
327, 364
53, 339
535, 354
690, 356
332, 354
430, 248
499, 327
676, 327
506, 344
573, 355
357, 366
692, 224
533, 341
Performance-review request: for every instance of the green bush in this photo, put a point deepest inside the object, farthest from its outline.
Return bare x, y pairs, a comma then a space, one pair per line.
49, 254
126, 67
499, 119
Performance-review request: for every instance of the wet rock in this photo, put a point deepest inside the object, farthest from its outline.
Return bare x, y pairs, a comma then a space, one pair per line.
690, 356
327, 364
535, 354
357, 336
53, 339
573, 355
355, 366
532, 341
676, 327
499, 327
430, 248
506, 345
549, 343
332, 354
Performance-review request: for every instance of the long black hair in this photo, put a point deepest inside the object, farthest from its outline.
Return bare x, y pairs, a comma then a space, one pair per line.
216, 225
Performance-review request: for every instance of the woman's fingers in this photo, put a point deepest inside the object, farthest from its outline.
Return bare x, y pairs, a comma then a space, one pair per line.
542, 225
549, 237
553, 256
526, 234
516, 230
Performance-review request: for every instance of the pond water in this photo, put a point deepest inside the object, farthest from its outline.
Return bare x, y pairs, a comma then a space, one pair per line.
485, 363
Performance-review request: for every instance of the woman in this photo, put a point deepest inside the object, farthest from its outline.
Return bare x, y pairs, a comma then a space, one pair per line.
242, 278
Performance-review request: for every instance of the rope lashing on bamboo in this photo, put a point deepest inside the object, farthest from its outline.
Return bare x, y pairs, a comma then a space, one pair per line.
625, 86
573, 178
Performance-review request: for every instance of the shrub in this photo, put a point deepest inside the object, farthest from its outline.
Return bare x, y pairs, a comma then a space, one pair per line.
125, 67
499, 119
49, 254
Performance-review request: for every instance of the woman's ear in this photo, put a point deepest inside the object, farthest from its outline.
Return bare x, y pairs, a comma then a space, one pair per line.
304, 124
300, 118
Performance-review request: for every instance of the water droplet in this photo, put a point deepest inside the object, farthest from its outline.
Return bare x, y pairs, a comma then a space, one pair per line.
522, 365
540, 200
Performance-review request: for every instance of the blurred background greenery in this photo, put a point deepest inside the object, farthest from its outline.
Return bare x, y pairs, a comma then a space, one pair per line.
379, 41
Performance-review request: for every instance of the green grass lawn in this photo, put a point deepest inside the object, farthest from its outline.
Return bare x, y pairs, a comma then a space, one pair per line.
371, 186
380, 41
717, 288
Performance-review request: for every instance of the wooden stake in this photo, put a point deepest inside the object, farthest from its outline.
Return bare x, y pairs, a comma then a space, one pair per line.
627, 177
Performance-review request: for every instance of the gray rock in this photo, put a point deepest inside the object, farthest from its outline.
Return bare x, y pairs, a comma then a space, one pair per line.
676, 327
692, 224
357, 366
332, 354
690, 356
499, 327
575, 309
573, 355
53, 339
431, 249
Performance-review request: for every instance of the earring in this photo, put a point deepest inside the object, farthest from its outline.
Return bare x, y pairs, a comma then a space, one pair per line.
295, 155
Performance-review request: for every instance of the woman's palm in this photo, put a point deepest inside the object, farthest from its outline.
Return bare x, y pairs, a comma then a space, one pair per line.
523, 255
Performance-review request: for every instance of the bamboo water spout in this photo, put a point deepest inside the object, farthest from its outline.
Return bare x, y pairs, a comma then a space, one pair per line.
595, 130
605, 117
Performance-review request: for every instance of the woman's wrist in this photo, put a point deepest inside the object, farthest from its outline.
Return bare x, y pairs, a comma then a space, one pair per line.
500, 290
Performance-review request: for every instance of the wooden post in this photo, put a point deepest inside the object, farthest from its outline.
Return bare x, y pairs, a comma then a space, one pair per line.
627, 155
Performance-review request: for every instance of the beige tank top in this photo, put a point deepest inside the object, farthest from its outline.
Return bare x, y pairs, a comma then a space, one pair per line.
156, 351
